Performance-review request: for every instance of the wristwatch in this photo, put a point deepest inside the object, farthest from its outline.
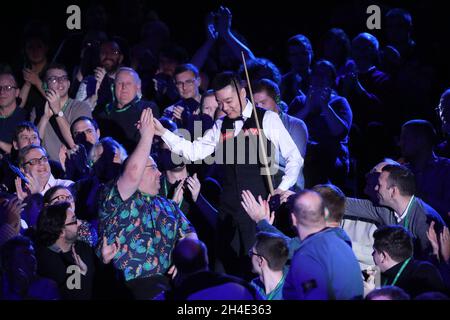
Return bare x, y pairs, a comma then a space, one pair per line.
60, 114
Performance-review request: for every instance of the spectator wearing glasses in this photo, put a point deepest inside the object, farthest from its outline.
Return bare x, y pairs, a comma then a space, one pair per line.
33, 162
62, 257
269, 256
87, 231
10, 113
60, 111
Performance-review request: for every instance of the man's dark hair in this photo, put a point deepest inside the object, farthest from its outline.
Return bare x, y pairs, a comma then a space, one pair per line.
83, 118
55, 65
327, 64
392, 292
50, 223
260, 68
186, 67
300, 40
343, 40
395, 241
24, 151
402, 178
273, 248
6, 72
423, 129
190, 256
432, 295
400, 13
9, 247
22, 126
48, 196
270, 87
224, 79
334, 200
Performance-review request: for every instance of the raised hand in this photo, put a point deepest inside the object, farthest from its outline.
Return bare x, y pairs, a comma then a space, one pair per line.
110, 251
179, 191
194, 186
12, 210
33, 184
99, 75
31, 77
54, 100
79, 262
224, 21
285, 195
177, 112
256, 210
432, 237
48, 112
444, 242
146, 125
21, 194
211, 32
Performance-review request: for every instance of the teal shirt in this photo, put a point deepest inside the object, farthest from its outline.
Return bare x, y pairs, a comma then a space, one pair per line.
148, 226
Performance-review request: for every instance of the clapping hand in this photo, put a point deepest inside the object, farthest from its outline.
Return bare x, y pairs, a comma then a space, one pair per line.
110, 251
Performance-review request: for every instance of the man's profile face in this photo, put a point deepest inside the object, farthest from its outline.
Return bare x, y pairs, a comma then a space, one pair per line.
151, 178
228, 100
263, 100
87, 128
383, 189
444, 112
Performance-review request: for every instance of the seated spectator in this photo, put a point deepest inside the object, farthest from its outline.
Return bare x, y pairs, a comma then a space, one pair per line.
267, 96
87, 231
316, 271
131, 209
118, 119
297, 80
336, 48
59, 111
209, 105
95, 88
393, 254
194, 280
432, 173
11, 223
10, 112
64, 259
397, 205
443, 109
388, 293
19, 280
33, 162
187, 111
328, 118
269, 256
26, 133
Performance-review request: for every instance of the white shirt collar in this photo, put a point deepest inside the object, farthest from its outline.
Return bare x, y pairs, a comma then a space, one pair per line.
248, 109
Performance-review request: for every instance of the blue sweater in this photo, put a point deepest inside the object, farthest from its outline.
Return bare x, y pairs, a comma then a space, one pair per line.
324, 268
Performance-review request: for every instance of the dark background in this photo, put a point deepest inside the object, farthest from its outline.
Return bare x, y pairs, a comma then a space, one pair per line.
265, 24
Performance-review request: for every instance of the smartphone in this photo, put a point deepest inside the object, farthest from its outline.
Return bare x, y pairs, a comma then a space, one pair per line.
274, 202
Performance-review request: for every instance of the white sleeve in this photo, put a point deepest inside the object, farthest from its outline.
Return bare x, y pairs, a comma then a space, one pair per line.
276, 132
197, 150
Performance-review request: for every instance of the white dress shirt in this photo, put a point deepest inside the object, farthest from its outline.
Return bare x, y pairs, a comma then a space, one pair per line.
273, 129
56, 182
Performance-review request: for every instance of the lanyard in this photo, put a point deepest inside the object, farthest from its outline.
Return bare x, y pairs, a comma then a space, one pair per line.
399, 272
406, 221
274, 291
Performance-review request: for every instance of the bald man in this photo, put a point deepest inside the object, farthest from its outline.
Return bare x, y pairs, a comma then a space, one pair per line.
324, 267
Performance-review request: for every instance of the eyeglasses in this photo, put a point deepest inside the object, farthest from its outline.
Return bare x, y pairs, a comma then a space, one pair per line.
185, 83
251, 253
54, 80
35, 161
7, 88
62, 197
71, 223
113, 52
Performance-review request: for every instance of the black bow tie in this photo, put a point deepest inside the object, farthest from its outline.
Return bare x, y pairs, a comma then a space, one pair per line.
237, 119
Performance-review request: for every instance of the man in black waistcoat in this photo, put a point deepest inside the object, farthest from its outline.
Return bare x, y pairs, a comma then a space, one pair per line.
234, 140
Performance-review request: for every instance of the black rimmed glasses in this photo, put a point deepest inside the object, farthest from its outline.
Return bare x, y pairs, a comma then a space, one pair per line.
55, 80
35, 161
251, 253
7, 88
